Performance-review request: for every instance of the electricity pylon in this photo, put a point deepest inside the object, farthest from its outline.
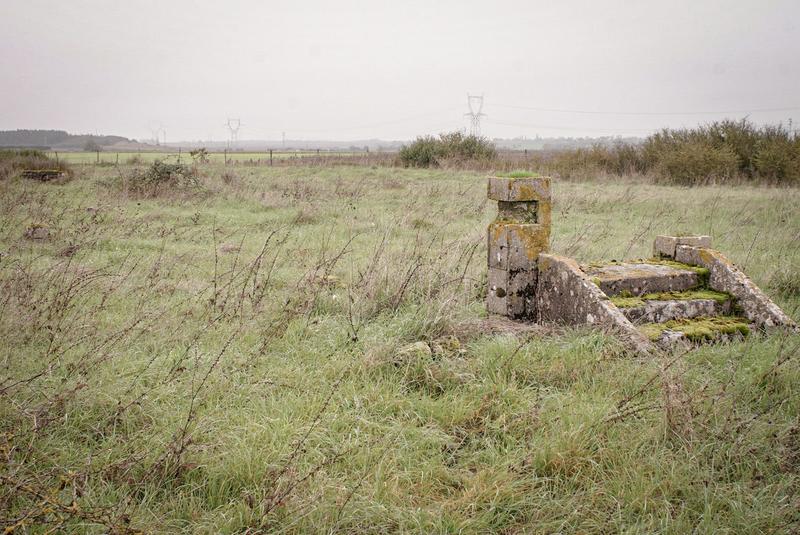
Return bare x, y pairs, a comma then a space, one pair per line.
475, 105
233, 127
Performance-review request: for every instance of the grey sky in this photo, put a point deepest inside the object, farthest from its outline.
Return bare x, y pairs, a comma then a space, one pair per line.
352, 69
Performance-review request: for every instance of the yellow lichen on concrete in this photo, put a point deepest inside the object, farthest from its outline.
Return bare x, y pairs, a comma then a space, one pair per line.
535, 239
544, 216
519, 189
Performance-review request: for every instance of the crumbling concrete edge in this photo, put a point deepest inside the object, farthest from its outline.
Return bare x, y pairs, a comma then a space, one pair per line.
724, 276
566, 295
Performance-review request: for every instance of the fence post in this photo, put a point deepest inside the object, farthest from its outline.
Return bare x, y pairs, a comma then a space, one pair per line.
270, 157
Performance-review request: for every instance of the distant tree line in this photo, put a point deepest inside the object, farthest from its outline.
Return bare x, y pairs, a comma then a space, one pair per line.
54, 139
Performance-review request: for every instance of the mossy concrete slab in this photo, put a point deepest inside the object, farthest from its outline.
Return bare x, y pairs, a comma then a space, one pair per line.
696, 330
654, 311
642, 278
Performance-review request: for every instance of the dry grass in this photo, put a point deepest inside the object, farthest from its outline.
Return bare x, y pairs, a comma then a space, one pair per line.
305, 349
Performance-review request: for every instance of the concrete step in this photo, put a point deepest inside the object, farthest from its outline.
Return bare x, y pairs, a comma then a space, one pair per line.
639, 278
661, 311
697, 330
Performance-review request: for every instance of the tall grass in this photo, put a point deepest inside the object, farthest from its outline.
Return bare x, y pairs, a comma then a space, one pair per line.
14, 161
305, 349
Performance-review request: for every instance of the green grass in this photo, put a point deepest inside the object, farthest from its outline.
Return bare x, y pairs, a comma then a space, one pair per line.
113, 157
519, 174
252, 355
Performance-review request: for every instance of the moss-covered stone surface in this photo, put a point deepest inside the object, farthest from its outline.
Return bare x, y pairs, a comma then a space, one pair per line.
519, 174
698, 329
628, 301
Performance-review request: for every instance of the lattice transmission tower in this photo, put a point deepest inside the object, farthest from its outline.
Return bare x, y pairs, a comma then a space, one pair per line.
233, 127
475, 105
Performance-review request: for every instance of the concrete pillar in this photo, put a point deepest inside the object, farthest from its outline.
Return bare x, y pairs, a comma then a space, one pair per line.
515, 238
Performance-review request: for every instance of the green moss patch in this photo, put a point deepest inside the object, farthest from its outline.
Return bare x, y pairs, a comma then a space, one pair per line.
700, 270
519, 174
628, 301
699, 329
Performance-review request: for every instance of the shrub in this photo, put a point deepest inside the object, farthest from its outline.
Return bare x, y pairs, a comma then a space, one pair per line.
740, 136
707, 152
199, 155
692, 162
455, 147
778, 159
14, 161
160, 177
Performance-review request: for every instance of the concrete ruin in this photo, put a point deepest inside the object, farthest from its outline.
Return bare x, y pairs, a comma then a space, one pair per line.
687, 292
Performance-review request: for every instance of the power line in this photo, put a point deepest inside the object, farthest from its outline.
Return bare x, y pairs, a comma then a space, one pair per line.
377, 125
653, 113
558, 127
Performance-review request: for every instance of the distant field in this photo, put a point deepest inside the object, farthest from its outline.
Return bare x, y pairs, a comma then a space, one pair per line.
124, 157
306, 350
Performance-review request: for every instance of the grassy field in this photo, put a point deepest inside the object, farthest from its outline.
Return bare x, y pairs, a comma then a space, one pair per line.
112, 157
294, 350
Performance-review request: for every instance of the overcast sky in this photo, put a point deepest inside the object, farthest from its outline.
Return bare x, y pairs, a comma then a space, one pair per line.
393, 70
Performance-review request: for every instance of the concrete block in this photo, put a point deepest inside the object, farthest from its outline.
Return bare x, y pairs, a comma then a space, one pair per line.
665, 246
642, 278
525, 243
695, 241
512, 293
519, 189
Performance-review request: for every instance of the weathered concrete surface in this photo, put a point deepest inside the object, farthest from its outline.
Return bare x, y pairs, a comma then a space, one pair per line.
519, 189
513, 251
514, 241
519, 211
512, 293
725, 277
641, 278
664, 246
535, 190
566, 295
513, 246
662, 311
